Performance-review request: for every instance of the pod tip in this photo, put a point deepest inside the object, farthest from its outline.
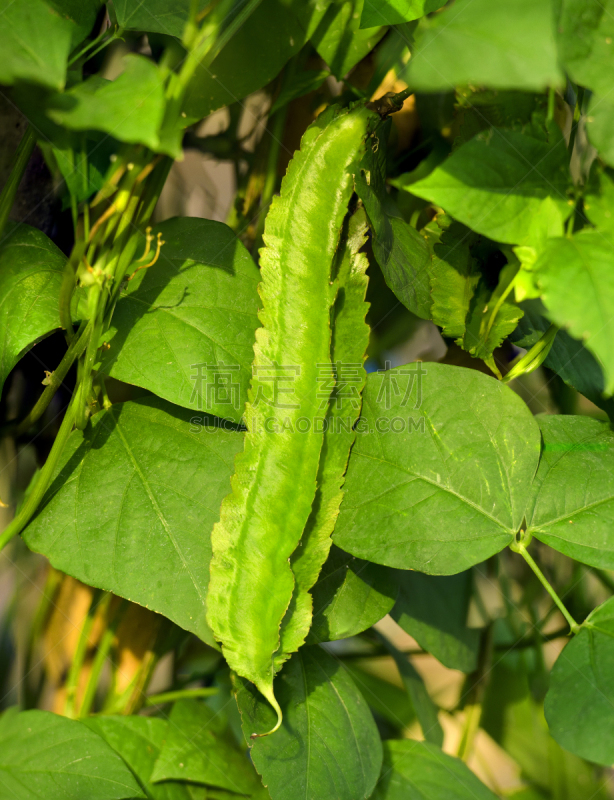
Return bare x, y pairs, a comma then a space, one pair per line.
271, 698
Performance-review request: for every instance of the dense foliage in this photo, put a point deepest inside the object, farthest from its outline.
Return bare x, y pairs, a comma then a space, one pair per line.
246, 476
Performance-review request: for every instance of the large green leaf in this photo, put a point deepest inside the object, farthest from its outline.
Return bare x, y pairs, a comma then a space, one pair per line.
401, 252
454, 276
599, 200
36, 42
157, 16
567, 357
420, 771
433, 609
584, 37
328, 745
133, 505
31, 268
130, 108
581, 696
515, 720
440, 472
599, 121
501, 45
395, 12
496, 182
339, 38
572, 505
138, 741
252, 58
349, 597
45, 755
185, 327
576, 276
200, 748
81, 13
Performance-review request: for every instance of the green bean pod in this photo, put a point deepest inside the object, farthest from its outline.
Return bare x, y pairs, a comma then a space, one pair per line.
349, 344
274, 484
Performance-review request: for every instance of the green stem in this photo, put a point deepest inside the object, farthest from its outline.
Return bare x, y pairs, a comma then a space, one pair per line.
96, 45
518, 547
202, 50
68, 287
72, 681
9, 190
499, 303
277, 129
180, 694
52, 583
76, 348
104, 648
535, 356
44, 478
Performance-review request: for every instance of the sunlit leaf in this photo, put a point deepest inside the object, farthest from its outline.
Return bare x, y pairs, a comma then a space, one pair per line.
502, 45
496, 183
185, 327
440, 472
572, 506
31, 268
133, 505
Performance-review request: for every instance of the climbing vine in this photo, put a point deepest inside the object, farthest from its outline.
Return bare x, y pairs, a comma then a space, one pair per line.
355, 436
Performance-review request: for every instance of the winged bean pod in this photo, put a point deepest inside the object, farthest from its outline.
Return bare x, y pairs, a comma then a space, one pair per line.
274, 484
349, 343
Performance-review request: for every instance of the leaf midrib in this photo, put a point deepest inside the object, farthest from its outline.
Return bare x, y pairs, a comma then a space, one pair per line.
158, 511
437, 486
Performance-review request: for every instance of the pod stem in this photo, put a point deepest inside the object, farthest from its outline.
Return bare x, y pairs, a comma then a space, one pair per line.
268, 693
519, 547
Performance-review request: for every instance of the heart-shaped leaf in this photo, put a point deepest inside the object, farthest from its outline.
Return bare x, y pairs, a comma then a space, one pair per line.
581, 695
440, 473
496, 183
572, 504
200, 748
327, 746
133, 504
45, 755
185, 327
